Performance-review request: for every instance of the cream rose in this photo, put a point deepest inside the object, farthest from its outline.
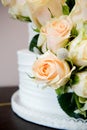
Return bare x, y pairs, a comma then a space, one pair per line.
78, 52
81, 87
50, 70
55, 34
41, 10
35, 4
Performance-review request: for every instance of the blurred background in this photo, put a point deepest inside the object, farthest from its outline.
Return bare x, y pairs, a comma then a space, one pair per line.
13, 37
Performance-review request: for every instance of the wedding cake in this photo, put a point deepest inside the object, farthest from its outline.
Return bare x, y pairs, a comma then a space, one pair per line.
53, 72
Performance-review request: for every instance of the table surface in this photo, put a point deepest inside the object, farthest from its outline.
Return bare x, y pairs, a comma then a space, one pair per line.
8, 119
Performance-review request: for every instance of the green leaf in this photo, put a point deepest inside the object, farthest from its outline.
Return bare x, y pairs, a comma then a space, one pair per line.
60, 90
80, 106
82, 68
82, 100
23, 18
70, 4
33, 42
75, 79
69, 62
77, 102
63, 89
65, 10
74, 33
85, 30
36, 30
68, 104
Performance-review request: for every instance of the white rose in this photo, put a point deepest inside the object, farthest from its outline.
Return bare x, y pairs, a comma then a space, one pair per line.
78, 52
17, 8
55, 34
11, 3
81, 87
50, 70
79, 11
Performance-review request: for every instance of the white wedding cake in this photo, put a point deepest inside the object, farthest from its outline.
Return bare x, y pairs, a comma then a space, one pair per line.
53, 72
35, 103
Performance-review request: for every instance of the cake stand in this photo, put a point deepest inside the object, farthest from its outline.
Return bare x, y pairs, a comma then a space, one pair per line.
46, 119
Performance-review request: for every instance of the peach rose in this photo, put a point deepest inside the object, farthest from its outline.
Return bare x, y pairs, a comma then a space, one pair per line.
50, 70
55, 34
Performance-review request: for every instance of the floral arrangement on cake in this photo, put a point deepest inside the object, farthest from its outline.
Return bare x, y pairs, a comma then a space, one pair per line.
61, 42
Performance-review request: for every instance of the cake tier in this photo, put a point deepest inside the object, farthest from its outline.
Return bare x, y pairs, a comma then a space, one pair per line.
31, 94
37, 104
